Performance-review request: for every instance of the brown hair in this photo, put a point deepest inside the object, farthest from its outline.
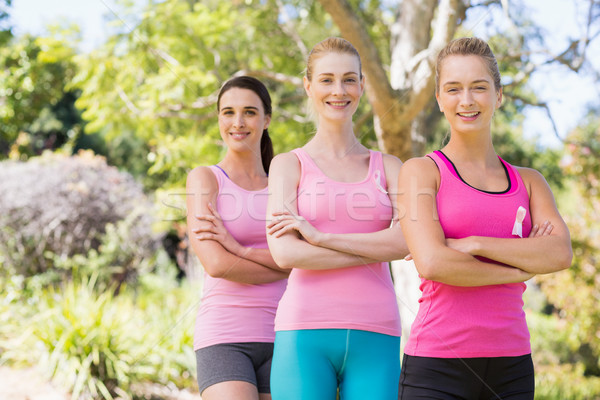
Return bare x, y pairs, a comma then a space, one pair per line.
331, 45
469, 46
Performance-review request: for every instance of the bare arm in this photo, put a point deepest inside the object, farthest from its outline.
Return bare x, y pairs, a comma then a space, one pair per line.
539, 254
417, 183
215, 230
202, 189
384, 245
288, 249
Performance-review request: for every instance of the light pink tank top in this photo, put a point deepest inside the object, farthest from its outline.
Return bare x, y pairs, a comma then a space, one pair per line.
233, 312
360, 297
467, 322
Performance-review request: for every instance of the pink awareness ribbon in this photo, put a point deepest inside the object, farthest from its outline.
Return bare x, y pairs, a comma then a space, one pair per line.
518, 226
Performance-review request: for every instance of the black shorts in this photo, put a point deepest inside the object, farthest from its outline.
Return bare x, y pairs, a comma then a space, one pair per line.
489, 378
247, 362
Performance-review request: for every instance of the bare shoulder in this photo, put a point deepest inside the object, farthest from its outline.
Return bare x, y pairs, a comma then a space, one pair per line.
532, 178
201, 177
285, 158
285, 164
530, 174
419, 171
391, 162
422, 166
391, 165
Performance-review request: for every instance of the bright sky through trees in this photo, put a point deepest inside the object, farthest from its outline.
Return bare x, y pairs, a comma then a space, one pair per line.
567, 93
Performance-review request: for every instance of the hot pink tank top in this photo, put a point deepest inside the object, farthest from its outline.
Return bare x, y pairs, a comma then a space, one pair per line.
360, 297
233, 312
486, 321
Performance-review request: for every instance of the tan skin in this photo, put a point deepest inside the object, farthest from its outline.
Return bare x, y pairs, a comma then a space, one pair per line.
335, 90
241, 122
468, 98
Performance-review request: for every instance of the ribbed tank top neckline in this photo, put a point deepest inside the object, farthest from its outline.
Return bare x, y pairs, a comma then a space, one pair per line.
218, 170
304, 156
513, 180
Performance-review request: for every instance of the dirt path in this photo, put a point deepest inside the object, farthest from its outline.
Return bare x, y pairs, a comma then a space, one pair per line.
27, 384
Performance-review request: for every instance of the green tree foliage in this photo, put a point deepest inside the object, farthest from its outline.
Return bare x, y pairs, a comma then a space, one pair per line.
37, 104
158, 83
575, 293
36, 112
5, 29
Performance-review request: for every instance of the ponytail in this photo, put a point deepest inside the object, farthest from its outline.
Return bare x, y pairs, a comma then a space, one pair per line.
266, 150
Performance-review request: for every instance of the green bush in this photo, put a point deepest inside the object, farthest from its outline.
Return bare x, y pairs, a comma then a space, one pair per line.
170, 310
565, 382
56, 207
560, 374
98, 345
84, 341
117, 259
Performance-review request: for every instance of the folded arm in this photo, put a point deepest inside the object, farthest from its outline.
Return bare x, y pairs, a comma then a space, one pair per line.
539, 254
215, 230
384, 245
202, 190
434, 260
288, 247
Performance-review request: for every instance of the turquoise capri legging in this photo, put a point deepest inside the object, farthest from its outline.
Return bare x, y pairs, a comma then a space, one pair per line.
311, 364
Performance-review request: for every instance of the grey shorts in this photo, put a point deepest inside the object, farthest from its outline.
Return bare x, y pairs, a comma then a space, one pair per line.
248, 362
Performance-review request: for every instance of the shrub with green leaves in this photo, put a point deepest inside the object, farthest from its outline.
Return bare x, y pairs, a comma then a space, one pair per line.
84, 341
100, 346
560, 372
55, 207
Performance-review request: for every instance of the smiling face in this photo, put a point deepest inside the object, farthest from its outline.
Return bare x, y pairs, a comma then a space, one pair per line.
242, 119
466, 94
335, 86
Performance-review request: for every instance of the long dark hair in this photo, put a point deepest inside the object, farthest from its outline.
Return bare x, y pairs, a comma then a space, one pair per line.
250, 83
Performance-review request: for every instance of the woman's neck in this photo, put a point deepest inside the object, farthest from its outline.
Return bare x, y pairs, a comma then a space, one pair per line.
334, 138
248, 162
478, 150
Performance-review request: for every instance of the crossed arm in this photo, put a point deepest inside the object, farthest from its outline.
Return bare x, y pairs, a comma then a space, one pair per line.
295, 243
220, 254
537, 254
452, 261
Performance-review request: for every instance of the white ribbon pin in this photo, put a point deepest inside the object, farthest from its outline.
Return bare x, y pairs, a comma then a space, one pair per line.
518, 226
377, 178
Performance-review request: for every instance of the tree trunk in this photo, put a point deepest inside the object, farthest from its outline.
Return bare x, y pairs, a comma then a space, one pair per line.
423, 29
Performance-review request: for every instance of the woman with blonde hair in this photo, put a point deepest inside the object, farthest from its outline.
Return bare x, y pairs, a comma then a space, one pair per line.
468, 222
331, 211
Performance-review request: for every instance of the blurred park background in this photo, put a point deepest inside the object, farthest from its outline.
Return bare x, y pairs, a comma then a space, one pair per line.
98, 289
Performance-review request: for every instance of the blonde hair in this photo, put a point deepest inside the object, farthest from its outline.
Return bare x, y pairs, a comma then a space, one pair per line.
331, 45
469, 46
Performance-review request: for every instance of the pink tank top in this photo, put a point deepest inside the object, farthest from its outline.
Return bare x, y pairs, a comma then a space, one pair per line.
467, 322
233, 312
360, 297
